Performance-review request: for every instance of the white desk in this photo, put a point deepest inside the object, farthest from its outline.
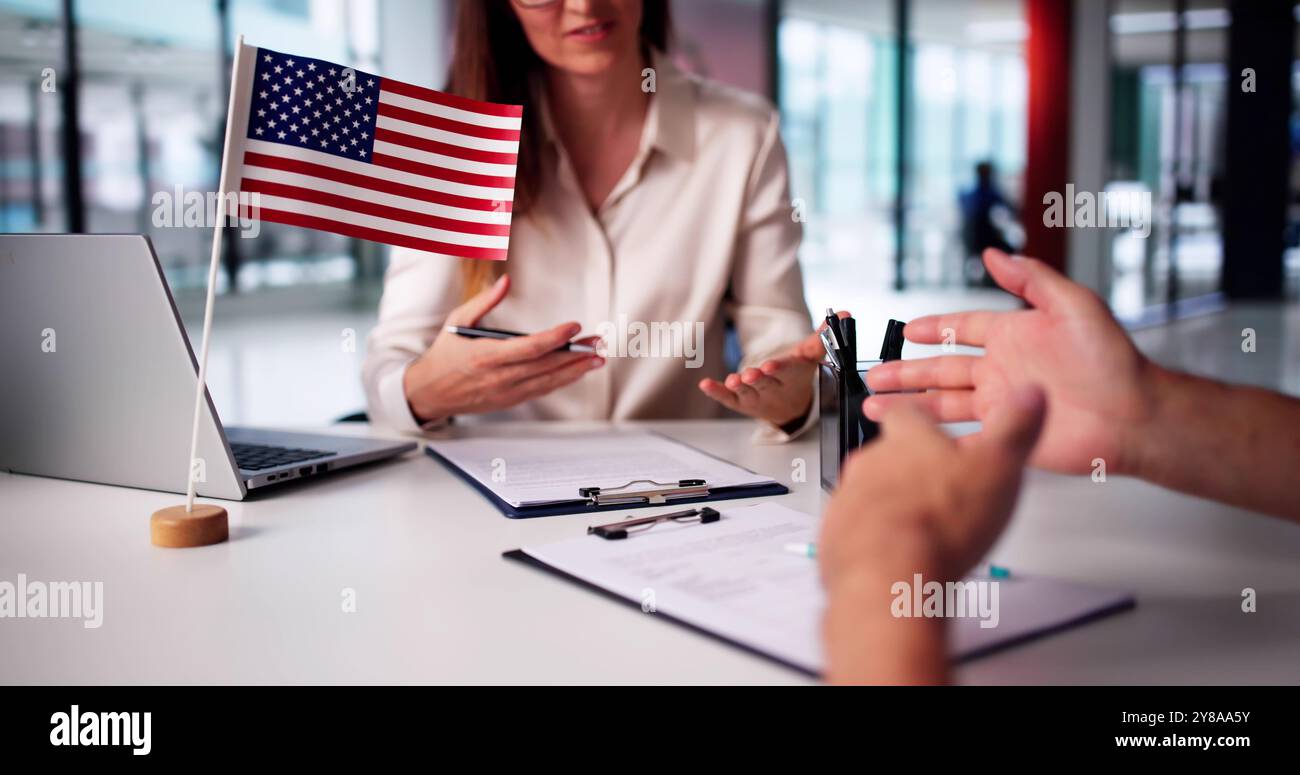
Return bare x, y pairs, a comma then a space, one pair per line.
436, 603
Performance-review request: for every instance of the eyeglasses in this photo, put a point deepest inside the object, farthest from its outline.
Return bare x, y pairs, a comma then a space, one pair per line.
617, 530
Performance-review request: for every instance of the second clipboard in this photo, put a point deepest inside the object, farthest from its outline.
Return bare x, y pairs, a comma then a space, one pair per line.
589, 494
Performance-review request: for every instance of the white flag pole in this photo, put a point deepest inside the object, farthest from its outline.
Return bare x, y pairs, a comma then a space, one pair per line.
218, 230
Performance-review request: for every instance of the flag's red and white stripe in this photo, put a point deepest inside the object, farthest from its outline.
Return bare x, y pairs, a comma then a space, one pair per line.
440, 179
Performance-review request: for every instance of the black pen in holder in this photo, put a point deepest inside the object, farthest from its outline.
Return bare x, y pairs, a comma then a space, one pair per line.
842, 389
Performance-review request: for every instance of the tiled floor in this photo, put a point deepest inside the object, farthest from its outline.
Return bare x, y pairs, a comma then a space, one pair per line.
1212, 345
283, 358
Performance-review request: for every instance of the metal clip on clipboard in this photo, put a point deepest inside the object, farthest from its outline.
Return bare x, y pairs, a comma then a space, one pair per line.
619, 530
660, 492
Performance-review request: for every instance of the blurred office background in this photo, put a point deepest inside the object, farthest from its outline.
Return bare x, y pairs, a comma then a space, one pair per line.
888, 106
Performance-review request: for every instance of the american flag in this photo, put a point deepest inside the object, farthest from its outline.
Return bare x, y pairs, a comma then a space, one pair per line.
340, 150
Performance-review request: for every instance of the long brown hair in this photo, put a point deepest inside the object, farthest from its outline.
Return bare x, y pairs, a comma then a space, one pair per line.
493, 61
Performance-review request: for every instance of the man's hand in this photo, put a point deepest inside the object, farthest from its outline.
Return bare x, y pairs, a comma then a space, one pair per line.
953, 496
780, 390
1098, 385
915, 501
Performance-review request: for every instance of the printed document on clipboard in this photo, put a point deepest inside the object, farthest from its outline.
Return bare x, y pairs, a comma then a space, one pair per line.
734, 579
570, 473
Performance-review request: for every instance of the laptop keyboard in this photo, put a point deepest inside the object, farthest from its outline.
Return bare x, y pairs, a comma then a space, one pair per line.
256, 457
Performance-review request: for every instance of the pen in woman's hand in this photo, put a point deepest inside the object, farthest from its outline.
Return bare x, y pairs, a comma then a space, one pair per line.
476, 332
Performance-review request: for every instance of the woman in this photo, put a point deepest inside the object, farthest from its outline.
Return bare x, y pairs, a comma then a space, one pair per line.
646, 201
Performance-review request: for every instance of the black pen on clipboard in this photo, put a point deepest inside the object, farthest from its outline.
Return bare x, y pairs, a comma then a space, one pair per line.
476, 332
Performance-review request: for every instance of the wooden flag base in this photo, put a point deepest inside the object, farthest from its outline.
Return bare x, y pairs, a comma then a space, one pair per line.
176, 528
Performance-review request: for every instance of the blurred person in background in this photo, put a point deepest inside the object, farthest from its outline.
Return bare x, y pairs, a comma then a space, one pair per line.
987, 220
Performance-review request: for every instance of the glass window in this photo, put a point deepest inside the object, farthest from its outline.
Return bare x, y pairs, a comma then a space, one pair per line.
1170, 146
968, 114
839, 113
1292, 259
839, 105
31, 182
153, 100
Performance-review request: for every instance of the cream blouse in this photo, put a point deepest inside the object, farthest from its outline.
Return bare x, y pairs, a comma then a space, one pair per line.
699, 231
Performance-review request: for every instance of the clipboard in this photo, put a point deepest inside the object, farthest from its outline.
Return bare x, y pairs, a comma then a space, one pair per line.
635, 494
519, 556
1118, 606
1032, 607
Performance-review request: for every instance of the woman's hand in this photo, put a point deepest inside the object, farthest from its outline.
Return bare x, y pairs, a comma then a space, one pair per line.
780, 390
1100, 388
457, 375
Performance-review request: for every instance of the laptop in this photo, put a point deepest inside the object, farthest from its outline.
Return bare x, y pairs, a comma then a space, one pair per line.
97, 380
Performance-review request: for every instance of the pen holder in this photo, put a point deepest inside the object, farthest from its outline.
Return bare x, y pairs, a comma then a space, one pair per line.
844, 426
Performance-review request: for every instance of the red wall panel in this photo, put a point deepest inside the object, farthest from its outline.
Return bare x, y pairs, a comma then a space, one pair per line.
1047, 55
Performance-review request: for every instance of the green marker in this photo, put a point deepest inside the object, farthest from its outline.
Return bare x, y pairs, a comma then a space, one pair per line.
999, 572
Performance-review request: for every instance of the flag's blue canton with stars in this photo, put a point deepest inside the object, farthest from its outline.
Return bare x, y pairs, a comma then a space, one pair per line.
310, 103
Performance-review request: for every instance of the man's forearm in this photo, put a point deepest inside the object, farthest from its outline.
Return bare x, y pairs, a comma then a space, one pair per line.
866, 644
1231, 443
